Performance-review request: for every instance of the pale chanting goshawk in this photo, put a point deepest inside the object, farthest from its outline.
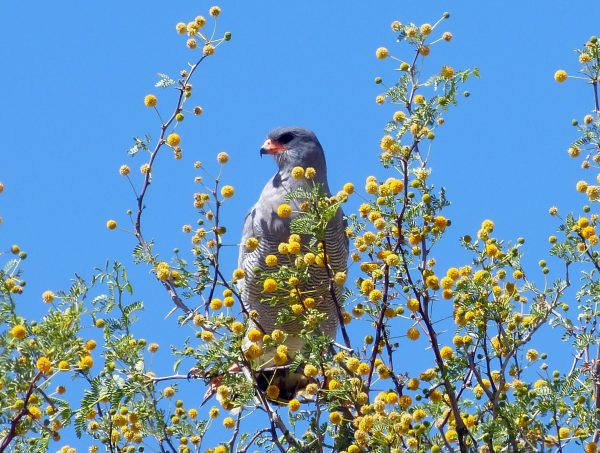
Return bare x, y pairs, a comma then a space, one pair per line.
291, 147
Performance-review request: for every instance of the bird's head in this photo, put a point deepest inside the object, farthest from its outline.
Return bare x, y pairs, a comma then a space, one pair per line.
295, 147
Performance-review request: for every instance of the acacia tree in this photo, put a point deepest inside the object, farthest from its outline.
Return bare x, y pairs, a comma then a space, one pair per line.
486, 389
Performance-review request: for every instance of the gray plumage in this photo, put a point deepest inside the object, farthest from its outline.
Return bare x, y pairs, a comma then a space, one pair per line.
291, 147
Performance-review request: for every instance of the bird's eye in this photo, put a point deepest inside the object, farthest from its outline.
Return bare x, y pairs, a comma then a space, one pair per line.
286, 138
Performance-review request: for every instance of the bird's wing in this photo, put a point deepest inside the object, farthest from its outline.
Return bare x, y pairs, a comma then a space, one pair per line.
248, 260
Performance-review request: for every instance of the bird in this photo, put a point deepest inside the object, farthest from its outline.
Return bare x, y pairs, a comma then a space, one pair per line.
290, 147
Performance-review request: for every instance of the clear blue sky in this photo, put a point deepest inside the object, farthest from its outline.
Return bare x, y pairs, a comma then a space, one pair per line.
75, 75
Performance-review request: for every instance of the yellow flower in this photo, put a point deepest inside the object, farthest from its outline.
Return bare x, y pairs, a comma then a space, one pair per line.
387, 142
192, 413
340, 278
228, 422
375, 295
560, 76
447, 36
381, 53
86, 362
294, 405
48, 296
253, 352
426, 29
111, 224
391, 398
310, 173
124, 170
191, 43
181, 28
207, 335
254, 335
564, 432
271, 260
284, 211
208, 49
379, 99
310, 370
44, 365
227, 191
34, 412
591, 447
223, 157
237, 327
405, 401
412, 304
446, 352
90, 345
532, 355
150, 100
419, 99
297, 173
272, 392
169, 392
63, 365
581, 186
173, 139
335, 418
216, 304
145, 168
251, 244
348, 188
432, 282
238, 274
270, 285
153, 347
214, 11
392, 259
413, 333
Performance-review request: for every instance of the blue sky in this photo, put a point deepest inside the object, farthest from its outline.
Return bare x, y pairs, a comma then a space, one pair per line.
76, 73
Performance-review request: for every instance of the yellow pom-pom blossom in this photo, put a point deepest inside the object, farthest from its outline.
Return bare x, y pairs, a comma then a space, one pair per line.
124, 170
413, 333
253, 352
271, 260
228, 422
272, 392
111, 224
173, 139
48, 296
227, 191
297, 173
150, 100
238, 274
426, 29
208, 49
251, 244
254, 335
310, 173
294, 405
270, 285
86, 362
381, 53
446, 352
223, 157
63, 365
310, 370
214, 11
44, 365
145, 168
284, 211
560, 76
181, 28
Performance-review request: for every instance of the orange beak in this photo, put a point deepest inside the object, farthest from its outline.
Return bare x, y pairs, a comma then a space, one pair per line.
272, 147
